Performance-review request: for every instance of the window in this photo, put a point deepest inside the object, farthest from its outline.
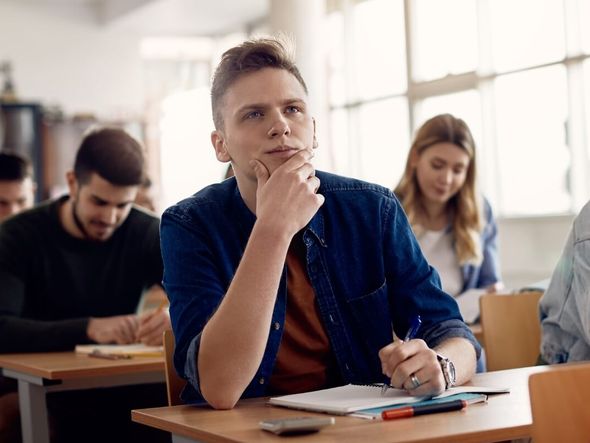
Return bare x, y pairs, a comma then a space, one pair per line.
526, 33
378, 48
518, 73
531, 121
176, 72
447, 46
384, 140
368, 80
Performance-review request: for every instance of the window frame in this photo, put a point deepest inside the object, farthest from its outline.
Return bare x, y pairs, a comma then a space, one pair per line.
482, 80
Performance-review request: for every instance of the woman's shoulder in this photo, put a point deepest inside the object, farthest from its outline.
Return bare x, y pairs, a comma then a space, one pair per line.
487, 210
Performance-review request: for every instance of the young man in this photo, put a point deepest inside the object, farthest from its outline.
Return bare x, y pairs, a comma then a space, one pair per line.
17, 189
286, 279
73, 270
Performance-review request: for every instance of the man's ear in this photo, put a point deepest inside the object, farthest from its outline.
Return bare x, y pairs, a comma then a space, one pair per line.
218, 142
72, 182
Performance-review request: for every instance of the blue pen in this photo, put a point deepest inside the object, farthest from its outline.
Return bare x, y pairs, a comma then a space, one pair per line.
413, 328
416, 322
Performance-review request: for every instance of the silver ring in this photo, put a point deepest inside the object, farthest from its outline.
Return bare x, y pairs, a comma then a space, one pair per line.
415, 381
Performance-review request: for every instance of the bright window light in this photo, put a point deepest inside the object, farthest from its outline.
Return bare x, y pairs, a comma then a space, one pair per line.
526, 32
444, 46
531, 116
187, 158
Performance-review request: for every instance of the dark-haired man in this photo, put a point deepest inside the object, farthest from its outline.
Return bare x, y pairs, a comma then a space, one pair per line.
17, 188
287, 279
73, 270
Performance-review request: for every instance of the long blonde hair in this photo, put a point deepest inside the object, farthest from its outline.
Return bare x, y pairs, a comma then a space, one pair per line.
464, 207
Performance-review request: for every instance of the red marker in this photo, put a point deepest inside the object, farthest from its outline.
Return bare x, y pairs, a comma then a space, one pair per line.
410, 411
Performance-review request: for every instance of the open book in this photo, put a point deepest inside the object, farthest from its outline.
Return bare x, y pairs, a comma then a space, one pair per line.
351, 398
126, 351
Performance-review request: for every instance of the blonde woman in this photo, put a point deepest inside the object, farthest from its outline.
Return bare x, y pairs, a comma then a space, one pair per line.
454, 225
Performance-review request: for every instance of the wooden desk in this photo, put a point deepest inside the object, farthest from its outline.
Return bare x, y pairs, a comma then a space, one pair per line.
504, 417
41, 373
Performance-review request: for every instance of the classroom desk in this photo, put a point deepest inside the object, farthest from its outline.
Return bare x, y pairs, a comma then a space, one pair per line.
504, 417
40, 373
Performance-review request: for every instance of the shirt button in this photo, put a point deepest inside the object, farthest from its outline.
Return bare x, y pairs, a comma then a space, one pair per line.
261, 380
277, 326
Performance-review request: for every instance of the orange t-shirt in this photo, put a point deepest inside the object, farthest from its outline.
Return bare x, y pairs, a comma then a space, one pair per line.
305, 361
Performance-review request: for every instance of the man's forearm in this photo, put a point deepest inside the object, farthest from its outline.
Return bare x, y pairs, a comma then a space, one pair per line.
234, 339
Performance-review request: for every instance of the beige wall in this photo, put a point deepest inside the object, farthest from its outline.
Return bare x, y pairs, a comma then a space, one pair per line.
530, 247
68, 59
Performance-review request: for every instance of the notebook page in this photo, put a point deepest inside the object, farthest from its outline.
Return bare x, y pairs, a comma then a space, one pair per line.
349, 398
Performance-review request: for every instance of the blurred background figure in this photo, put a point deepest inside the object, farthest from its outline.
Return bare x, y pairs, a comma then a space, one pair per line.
17, 188
145, 195
453, 223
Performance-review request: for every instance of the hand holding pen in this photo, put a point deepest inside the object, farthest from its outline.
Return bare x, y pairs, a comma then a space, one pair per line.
414, 327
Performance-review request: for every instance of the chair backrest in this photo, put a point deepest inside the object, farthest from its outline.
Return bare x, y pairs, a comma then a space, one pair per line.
559, 404
511, 329
174, 384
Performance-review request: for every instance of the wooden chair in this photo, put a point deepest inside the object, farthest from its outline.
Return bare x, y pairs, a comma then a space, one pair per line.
511, 329
174, 384
559, 404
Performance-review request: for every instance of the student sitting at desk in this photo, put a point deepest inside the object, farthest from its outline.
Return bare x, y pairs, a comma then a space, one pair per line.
453, 224
286, 279
73, 270
565, 305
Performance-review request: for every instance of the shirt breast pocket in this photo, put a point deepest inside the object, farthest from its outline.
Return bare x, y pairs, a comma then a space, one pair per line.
371, 313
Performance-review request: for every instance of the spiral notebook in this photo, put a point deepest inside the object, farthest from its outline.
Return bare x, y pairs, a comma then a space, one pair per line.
351, 398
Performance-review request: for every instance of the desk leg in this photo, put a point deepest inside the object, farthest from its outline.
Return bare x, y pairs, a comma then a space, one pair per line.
33, 412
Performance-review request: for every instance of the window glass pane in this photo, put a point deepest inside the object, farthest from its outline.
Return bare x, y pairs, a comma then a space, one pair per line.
187, 163
379, 48
445, 37
526, 32
384, 141
533, 157
336, 59
340, 136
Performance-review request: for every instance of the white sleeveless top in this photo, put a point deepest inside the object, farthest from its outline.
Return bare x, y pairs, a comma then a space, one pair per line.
437, 247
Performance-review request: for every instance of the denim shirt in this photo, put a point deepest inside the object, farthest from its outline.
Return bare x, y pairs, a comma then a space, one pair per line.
363, 262
488, 272
565, 306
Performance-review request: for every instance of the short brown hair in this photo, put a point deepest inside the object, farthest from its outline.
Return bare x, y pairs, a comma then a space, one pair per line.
111, 153
250, 56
